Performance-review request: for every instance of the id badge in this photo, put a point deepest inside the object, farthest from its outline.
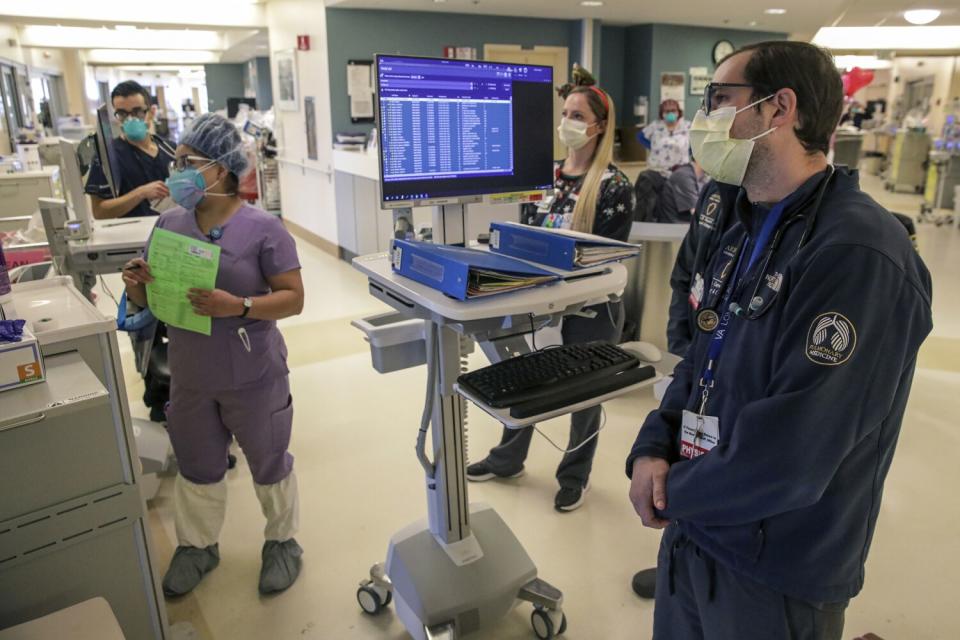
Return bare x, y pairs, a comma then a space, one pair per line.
699, 434
545, 204
696, 292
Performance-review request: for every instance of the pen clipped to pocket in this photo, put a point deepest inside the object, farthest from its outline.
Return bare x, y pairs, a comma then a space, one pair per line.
245, 339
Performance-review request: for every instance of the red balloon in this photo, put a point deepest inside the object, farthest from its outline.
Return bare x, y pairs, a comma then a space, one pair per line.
856, 79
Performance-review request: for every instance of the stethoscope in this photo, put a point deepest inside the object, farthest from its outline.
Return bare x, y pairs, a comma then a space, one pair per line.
708, 318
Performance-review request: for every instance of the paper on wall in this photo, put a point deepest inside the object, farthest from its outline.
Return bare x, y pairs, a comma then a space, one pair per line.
359, 80
361, 106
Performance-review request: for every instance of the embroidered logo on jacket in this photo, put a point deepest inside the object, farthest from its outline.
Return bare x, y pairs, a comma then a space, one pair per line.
708, 217
831, 340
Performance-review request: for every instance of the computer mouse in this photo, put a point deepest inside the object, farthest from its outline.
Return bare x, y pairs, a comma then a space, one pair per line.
643, 350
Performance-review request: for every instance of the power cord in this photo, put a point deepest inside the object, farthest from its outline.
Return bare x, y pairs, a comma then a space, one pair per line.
103, 285
603, 423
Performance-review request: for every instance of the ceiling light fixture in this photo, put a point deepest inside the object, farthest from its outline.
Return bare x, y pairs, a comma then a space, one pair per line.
775, 12
46, 36
864, 62
888, 38
591, 3
921, 16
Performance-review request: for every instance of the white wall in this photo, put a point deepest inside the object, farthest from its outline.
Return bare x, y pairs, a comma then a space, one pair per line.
306, 191
7, 33
232, 13
66, 62
43, 60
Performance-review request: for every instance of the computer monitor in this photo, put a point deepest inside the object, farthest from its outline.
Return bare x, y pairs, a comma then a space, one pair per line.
108, 157
452, 131
233, 105
73, 181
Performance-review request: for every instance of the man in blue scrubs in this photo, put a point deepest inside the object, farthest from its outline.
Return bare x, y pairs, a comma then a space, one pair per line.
766, 460
142, 160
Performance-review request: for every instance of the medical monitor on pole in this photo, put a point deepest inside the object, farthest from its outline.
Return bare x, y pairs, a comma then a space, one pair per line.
452, 131
73, 182
108, 158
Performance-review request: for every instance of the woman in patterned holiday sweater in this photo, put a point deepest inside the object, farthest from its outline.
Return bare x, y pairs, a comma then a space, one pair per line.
590, 195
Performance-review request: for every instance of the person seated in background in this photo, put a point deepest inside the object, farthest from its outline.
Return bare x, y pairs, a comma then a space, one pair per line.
667, 139
678, 199
143, 160
670, 199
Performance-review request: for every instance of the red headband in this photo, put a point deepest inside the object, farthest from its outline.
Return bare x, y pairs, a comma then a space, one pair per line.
603, 97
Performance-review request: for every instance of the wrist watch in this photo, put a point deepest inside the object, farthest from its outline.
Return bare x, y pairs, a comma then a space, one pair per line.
247, 305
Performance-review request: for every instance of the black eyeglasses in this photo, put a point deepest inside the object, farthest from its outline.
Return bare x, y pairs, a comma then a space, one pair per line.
709, 97
122, 115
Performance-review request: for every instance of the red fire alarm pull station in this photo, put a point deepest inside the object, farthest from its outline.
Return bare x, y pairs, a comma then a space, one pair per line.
303, 43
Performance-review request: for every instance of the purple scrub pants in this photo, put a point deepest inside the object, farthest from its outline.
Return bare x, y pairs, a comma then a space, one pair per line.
201, 424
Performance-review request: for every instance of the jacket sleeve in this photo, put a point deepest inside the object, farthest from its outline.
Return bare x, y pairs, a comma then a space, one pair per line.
658, 435
678, 324
853, 304
614, 215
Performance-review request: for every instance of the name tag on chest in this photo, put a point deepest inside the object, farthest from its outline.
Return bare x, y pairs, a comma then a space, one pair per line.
699, 434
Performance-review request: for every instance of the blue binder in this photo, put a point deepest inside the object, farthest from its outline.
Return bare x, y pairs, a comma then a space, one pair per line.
557, 248
463, 273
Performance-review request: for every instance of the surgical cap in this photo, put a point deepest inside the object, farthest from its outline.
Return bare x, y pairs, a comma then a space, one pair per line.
218, 139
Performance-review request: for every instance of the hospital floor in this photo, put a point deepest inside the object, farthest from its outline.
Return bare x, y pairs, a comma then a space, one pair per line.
354, 434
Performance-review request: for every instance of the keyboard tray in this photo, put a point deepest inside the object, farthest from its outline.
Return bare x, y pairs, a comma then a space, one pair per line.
503, 415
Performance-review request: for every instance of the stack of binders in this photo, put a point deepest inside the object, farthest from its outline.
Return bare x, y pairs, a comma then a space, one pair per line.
463, 273
559, 248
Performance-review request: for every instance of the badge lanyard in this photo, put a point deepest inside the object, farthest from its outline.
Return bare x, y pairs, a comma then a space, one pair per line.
720, 333
707, 318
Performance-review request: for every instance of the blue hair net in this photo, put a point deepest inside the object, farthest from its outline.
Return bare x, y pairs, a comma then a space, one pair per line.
218, 139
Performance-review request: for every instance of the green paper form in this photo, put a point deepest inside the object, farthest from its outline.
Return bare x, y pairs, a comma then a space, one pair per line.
179, 263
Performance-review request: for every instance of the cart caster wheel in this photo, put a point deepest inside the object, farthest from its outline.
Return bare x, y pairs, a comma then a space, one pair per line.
544, 624
371, 600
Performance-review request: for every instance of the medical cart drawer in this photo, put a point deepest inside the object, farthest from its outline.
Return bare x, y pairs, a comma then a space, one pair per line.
58, 439
396, 341
109, 562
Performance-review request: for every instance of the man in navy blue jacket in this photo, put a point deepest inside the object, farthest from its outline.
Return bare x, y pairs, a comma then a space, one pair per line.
766, 459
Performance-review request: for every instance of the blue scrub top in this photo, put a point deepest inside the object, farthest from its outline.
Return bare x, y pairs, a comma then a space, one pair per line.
135, 167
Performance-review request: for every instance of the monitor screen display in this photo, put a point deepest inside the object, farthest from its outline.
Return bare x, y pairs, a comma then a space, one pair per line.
452, 129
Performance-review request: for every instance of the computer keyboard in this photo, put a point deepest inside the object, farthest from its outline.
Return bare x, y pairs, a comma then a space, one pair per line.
555, 377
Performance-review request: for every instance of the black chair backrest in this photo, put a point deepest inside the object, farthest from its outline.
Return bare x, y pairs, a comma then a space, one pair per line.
647, 188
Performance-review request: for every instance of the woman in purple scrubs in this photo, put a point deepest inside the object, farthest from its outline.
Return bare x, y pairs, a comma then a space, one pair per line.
234, 382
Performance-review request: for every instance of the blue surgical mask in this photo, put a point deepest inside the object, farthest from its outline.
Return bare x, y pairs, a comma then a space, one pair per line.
135, 129
671, 117
188, 188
